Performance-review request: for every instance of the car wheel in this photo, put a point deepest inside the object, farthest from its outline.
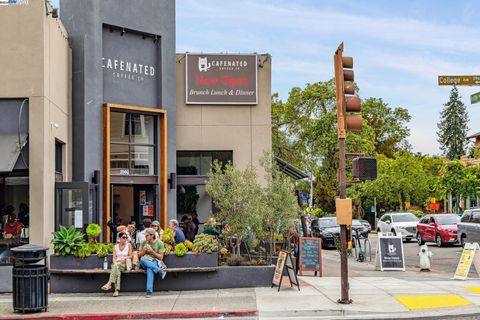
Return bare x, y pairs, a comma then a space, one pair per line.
419, 239
438, 240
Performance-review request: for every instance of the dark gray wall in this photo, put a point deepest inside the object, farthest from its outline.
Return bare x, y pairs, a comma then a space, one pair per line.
84, 21
9, 111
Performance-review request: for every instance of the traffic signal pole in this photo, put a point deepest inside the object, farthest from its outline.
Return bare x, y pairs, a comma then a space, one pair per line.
344, 122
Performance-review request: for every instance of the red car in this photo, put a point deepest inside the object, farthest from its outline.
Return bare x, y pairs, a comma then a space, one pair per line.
438, 228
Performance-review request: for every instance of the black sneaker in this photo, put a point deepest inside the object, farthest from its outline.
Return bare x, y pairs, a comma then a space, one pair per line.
148, 295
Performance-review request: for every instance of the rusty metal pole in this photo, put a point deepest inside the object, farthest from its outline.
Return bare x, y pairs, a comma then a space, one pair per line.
340, 89
343, 228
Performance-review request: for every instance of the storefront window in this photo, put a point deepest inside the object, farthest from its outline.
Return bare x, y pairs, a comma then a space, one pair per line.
200, 162
132, 144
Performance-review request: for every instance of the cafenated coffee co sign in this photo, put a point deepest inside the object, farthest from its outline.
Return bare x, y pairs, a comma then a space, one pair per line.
221, 79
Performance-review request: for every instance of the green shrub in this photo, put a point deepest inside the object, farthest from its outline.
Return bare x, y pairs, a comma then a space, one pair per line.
168, 248
102, 250
205, 243
180, 250
110, 247
189, 245
168, 236
67, 241
93, 231
84, 251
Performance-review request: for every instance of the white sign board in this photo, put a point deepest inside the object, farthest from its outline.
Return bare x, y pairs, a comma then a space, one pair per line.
78, 219
469, 255
390, 252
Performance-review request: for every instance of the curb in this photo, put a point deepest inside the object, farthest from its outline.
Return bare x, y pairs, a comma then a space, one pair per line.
135, 315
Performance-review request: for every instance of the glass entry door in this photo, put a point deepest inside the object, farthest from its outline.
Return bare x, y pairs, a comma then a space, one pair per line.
134, 203
76, 204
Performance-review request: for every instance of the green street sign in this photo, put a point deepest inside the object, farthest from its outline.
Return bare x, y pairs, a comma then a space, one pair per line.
474, 98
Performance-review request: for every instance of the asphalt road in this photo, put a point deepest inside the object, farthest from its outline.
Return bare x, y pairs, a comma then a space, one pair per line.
444, 261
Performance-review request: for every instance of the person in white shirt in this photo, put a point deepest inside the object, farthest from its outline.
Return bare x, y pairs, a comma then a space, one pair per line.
147, 223
121, 253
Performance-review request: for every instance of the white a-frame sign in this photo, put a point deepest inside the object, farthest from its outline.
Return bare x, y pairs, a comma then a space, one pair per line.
469, 254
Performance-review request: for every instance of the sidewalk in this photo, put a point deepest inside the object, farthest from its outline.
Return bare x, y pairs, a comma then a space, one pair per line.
373, 297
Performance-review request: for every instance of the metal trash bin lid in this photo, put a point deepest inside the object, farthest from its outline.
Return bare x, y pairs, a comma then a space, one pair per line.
29, 253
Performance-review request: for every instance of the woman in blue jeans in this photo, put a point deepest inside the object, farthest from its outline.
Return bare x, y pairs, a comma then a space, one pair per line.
151, 254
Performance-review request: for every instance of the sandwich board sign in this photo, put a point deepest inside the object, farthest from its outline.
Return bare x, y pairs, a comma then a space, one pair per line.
469, 254
284, 262
390, 252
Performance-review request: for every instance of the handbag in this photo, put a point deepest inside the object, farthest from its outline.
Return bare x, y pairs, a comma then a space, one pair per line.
162, 265
128, 264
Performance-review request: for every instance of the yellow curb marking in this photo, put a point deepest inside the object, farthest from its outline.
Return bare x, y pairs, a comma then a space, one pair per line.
429, 302
473, 289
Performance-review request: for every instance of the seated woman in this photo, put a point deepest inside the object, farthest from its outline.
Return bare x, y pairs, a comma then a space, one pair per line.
12, 228
211, 227
121, 252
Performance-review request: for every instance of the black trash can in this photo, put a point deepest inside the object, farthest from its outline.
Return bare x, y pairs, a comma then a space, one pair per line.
30, 279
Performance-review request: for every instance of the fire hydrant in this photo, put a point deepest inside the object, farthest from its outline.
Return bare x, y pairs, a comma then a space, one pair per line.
425, 256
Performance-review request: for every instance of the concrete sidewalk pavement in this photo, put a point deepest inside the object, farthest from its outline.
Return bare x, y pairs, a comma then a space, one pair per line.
373, 297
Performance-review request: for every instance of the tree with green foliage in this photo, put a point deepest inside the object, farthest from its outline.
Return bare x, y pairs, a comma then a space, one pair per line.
453, 127
389, 126
280, 204
238, 196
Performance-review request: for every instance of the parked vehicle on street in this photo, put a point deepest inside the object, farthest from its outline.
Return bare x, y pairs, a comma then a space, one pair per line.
329, 230
399, 223
438, 228
366, 224
469, 226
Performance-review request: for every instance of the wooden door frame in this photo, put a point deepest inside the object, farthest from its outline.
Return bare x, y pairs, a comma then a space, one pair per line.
162, 158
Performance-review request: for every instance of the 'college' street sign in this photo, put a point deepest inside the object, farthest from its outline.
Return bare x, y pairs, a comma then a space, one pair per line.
458, 80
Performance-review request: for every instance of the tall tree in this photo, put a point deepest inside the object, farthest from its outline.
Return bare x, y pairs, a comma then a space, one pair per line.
453, 127
389, 125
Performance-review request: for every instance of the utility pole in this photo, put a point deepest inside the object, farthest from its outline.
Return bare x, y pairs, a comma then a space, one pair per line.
344, 85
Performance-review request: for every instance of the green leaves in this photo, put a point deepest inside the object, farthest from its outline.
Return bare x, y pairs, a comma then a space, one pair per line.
67, 241
93, 230
453, 127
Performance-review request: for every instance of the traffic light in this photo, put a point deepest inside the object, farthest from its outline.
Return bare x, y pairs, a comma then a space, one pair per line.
347, 101
365, 168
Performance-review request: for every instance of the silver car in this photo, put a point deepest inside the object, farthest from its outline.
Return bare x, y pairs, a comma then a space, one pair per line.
469, 227
400, 223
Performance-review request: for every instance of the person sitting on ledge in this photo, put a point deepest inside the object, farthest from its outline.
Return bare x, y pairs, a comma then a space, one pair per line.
211, 227
179, 235
121, 253
151, 253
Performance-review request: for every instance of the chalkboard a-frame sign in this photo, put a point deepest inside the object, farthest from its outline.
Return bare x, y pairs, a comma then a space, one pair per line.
284, 262
310, 255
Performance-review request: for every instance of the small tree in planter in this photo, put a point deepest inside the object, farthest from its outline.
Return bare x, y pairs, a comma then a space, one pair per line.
279, 199
238, 196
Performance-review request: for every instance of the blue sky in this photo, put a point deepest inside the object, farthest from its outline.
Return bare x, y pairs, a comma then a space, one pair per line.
399, 47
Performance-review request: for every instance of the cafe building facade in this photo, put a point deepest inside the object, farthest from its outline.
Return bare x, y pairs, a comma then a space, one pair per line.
104, 122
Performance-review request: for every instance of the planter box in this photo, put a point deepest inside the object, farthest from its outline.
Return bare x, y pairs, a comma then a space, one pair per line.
222, 278
204, 260
72, 262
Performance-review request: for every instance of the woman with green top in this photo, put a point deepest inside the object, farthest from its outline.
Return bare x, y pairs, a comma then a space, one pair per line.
211, 228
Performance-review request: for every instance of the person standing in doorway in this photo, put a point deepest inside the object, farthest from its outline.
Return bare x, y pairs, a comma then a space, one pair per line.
24, 214
195, 221
151, 254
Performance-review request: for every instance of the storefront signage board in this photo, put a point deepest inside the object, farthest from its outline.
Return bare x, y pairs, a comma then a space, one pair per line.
469, 254
284, 262
221, 79
130, 68
390, 252
310, 255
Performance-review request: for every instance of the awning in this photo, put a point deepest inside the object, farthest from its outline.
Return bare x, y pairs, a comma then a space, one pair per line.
10, 150
290, 170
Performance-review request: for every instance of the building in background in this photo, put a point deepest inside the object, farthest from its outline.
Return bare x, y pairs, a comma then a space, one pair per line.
35, 108
223, 113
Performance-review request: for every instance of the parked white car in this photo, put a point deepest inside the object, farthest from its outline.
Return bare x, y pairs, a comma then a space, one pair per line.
401, 223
